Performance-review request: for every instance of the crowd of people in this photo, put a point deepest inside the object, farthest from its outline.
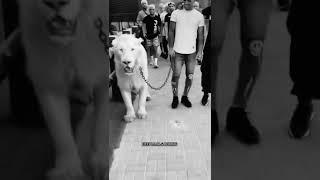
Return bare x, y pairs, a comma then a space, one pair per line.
177, 31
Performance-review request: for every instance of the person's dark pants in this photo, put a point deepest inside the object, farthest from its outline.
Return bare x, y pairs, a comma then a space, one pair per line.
304, 69
283, 3
206, 72
164, 45
304, 61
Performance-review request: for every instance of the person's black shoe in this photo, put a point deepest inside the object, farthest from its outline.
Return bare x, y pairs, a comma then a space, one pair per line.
300, 121
239, 126
199, 62
215, 129
185, 101
175, 102
204, 100
164, 55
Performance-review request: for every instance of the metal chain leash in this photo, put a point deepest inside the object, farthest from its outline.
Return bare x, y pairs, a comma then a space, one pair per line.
102, 36
104, 39
148, 83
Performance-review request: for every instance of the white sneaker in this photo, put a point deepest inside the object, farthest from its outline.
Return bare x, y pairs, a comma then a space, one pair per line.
151, 61
155, 63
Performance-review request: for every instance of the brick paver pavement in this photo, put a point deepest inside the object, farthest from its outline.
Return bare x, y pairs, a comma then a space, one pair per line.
190, 128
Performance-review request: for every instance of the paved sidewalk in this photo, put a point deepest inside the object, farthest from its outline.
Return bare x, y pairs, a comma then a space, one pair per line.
190, 128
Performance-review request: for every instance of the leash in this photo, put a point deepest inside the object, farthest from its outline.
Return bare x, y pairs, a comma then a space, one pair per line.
162, 85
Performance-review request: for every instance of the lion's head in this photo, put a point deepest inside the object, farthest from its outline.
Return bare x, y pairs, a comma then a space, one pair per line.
127, 50
57, 19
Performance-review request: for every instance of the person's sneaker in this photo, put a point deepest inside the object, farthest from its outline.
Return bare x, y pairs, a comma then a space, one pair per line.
175, 102
300, 121
185, 101
215, 129
204, 100
239, 126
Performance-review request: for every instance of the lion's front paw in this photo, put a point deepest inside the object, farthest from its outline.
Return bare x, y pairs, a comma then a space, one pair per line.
142, 113
68, 167
129, 117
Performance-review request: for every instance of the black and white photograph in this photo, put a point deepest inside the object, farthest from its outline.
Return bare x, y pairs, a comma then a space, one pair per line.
105, 89
165, 132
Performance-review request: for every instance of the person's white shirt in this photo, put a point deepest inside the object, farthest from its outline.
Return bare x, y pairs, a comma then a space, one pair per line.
162, 16
187, 24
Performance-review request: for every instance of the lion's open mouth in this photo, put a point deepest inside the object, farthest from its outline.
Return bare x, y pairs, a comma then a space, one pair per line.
60, 26
128, 70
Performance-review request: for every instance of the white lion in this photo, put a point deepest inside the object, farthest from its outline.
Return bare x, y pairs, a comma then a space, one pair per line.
129, 57
66, 61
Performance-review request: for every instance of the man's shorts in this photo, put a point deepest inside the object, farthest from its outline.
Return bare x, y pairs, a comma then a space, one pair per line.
186, 58
153, 42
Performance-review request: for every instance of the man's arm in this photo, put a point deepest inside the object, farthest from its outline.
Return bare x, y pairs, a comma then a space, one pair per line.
200, 42
144, 29
172, 30
160, 26
166, 30
139, 20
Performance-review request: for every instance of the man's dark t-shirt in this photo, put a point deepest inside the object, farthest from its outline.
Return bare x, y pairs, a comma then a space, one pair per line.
151, 24
167, 19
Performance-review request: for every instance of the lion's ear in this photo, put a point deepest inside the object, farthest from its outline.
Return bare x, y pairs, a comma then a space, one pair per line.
139, 40
115, 42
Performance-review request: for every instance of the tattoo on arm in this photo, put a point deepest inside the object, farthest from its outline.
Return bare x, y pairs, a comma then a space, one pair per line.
200, 38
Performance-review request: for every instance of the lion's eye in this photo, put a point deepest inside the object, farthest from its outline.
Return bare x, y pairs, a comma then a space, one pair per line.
132, 49
121, 50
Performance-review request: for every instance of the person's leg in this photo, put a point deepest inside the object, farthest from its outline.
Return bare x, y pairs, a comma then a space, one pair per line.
165, 47
149, 51
301, 118
205, 76
284, 5
300, 75
254, 17
155, 44
221, 12
177, 66
190, 65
